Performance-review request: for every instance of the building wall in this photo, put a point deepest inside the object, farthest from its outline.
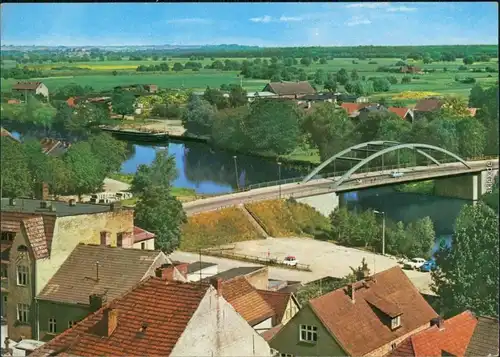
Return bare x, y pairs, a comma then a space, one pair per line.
63, 313
216, 329
385, 349
71, 230
20, 294
205, 273
148, 244
43, 90
264, 325
259, 279
287, 339
324, 204
292, 308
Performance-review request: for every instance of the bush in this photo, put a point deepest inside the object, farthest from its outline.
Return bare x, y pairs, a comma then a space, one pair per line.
406, 80
462, 68
392, 79
216, 228
354, 62
372, 62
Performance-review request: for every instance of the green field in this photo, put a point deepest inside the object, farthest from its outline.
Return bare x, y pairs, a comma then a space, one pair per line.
98, 75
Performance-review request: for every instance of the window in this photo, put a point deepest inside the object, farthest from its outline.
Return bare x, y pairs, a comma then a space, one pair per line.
52, 325
22, 275
8, 236
71, 324
393, 346
308, 333
396, 322
143, 245
23, 312
4, 271
286, 355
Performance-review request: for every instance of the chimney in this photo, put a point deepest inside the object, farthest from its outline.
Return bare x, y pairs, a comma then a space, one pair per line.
72, 202
217, 284
350, 290
165, 272
12, 201
109, 322
182, 268
96, 301
105, 238
125, 239
438, 321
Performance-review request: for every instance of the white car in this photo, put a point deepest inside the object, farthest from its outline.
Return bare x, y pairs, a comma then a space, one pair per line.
290, 260
396, 174
414, 263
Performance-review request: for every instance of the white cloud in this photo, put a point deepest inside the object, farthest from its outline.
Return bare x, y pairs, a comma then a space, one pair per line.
401, 9
189, 20
263, 19
367, 5
290, 19
358, 20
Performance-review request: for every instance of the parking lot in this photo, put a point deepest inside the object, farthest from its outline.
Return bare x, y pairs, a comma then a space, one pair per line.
324, 258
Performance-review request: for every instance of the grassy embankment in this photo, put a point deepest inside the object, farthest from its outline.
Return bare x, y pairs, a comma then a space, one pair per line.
422, 187
230, 225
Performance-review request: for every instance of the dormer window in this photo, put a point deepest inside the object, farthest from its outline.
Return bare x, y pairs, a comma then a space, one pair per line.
395, 322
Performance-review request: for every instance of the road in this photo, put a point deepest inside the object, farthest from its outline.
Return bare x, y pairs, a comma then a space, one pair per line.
324, 258
321, 186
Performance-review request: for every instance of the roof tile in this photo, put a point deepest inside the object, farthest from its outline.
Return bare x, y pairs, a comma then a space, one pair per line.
484, 341
292, 88
400, 112
277, 300
141, 235
26, 85
35, 231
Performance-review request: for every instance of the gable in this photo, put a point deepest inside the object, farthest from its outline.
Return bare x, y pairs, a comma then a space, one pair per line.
287, 339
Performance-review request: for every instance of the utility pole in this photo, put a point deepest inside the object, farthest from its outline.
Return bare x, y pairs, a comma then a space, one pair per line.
383, 229
236, 172
279, 178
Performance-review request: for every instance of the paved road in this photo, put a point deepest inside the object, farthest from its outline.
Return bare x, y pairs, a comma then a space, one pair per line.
320, 186
324, 258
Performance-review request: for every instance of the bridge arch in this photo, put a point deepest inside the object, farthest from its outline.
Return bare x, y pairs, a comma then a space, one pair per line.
363, 162
359, 146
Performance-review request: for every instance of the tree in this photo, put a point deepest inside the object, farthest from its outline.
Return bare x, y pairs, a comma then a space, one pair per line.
396, 240
323, 60
468, 60
330, 85
44, 116
123, 103
422, 237
198, 117
442, 133
59, 176
306, 61
178, 67
381, 84
237, 96
393, 129
15, 174
319, 77
472, 137
215, 97
37, 161
110, 152
354, 75
467, 274
161, 172
342, 76
87, 172
454, 107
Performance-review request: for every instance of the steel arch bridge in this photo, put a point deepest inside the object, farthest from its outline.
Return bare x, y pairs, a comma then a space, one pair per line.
384, 147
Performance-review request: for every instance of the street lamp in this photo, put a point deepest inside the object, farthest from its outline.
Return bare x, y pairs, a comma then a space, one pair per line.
279, 178
383, 229
236, 172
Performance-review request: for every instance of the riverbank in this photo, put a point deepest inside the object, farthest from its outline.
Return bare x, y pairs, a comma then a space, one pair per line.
422, 187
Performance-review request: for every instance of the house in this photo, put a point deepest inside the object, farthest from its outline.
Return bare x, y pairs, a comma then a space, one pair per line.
13, 101
38, 235
366, 318
257, 276
161, 318
90, 275
143, 239
54, 147
255, 95
201, 270
351, 98
443, 338
151, 88
366, 110
33, 88
285, 305
426, 106
289, 89
473, 111
484, 340
353, 109
309, 99
403, 113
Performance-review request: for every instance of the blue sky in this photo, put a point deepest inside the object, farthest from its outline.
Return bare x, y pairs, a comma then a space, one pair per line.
264, 24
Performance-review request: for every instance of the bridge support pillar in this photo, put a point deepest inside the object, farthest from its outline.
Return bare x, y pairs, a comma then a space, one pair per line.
324, 204
468, 187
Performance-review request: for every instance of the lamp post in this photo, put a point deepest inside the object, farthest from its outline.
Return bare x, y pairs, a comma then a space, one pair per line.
236, 173
279, 178
383, 229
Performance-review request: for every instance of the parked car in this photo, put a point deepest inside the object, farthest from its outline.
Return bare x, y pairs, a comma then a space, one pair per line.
290, 260
396, 174
428, 266
414, 263
403, 260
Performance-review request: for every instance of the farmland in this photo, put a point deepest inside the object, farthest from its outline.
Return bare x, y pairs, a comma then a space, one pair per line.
104, 75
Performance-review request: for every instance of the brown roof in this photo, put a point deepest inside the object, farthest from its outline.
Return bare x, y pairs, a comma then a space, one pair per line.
472, 111
453, 338
13, 101
141, 235
277, 300
164, 307
119, 270
7, 134
246, 300
290, 88
400, 112
26, 85
428, 105
35, 232
269, 334
484, 341
361, 326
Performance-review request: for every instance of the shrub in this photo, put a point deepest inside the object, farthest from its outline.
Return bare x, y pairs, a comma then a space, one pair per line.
392, 79
462, 68
372, 62
406, 79
216, 228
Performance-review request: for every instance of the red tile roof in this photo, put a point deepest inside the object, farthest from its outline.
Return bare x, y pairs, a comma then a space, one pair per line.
400, 112
71, 102
351, 107
472, 111
453, 338
26, 85
141, 235
35, 232
166, 308
358, 325
76, 279
277, 300
269, 334
13, 101
428, 105
246, 300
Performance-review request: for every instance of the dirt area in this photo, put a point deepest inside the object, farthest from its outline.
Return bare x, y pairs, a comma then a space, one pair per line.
111, 185
173, 127
324, 258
